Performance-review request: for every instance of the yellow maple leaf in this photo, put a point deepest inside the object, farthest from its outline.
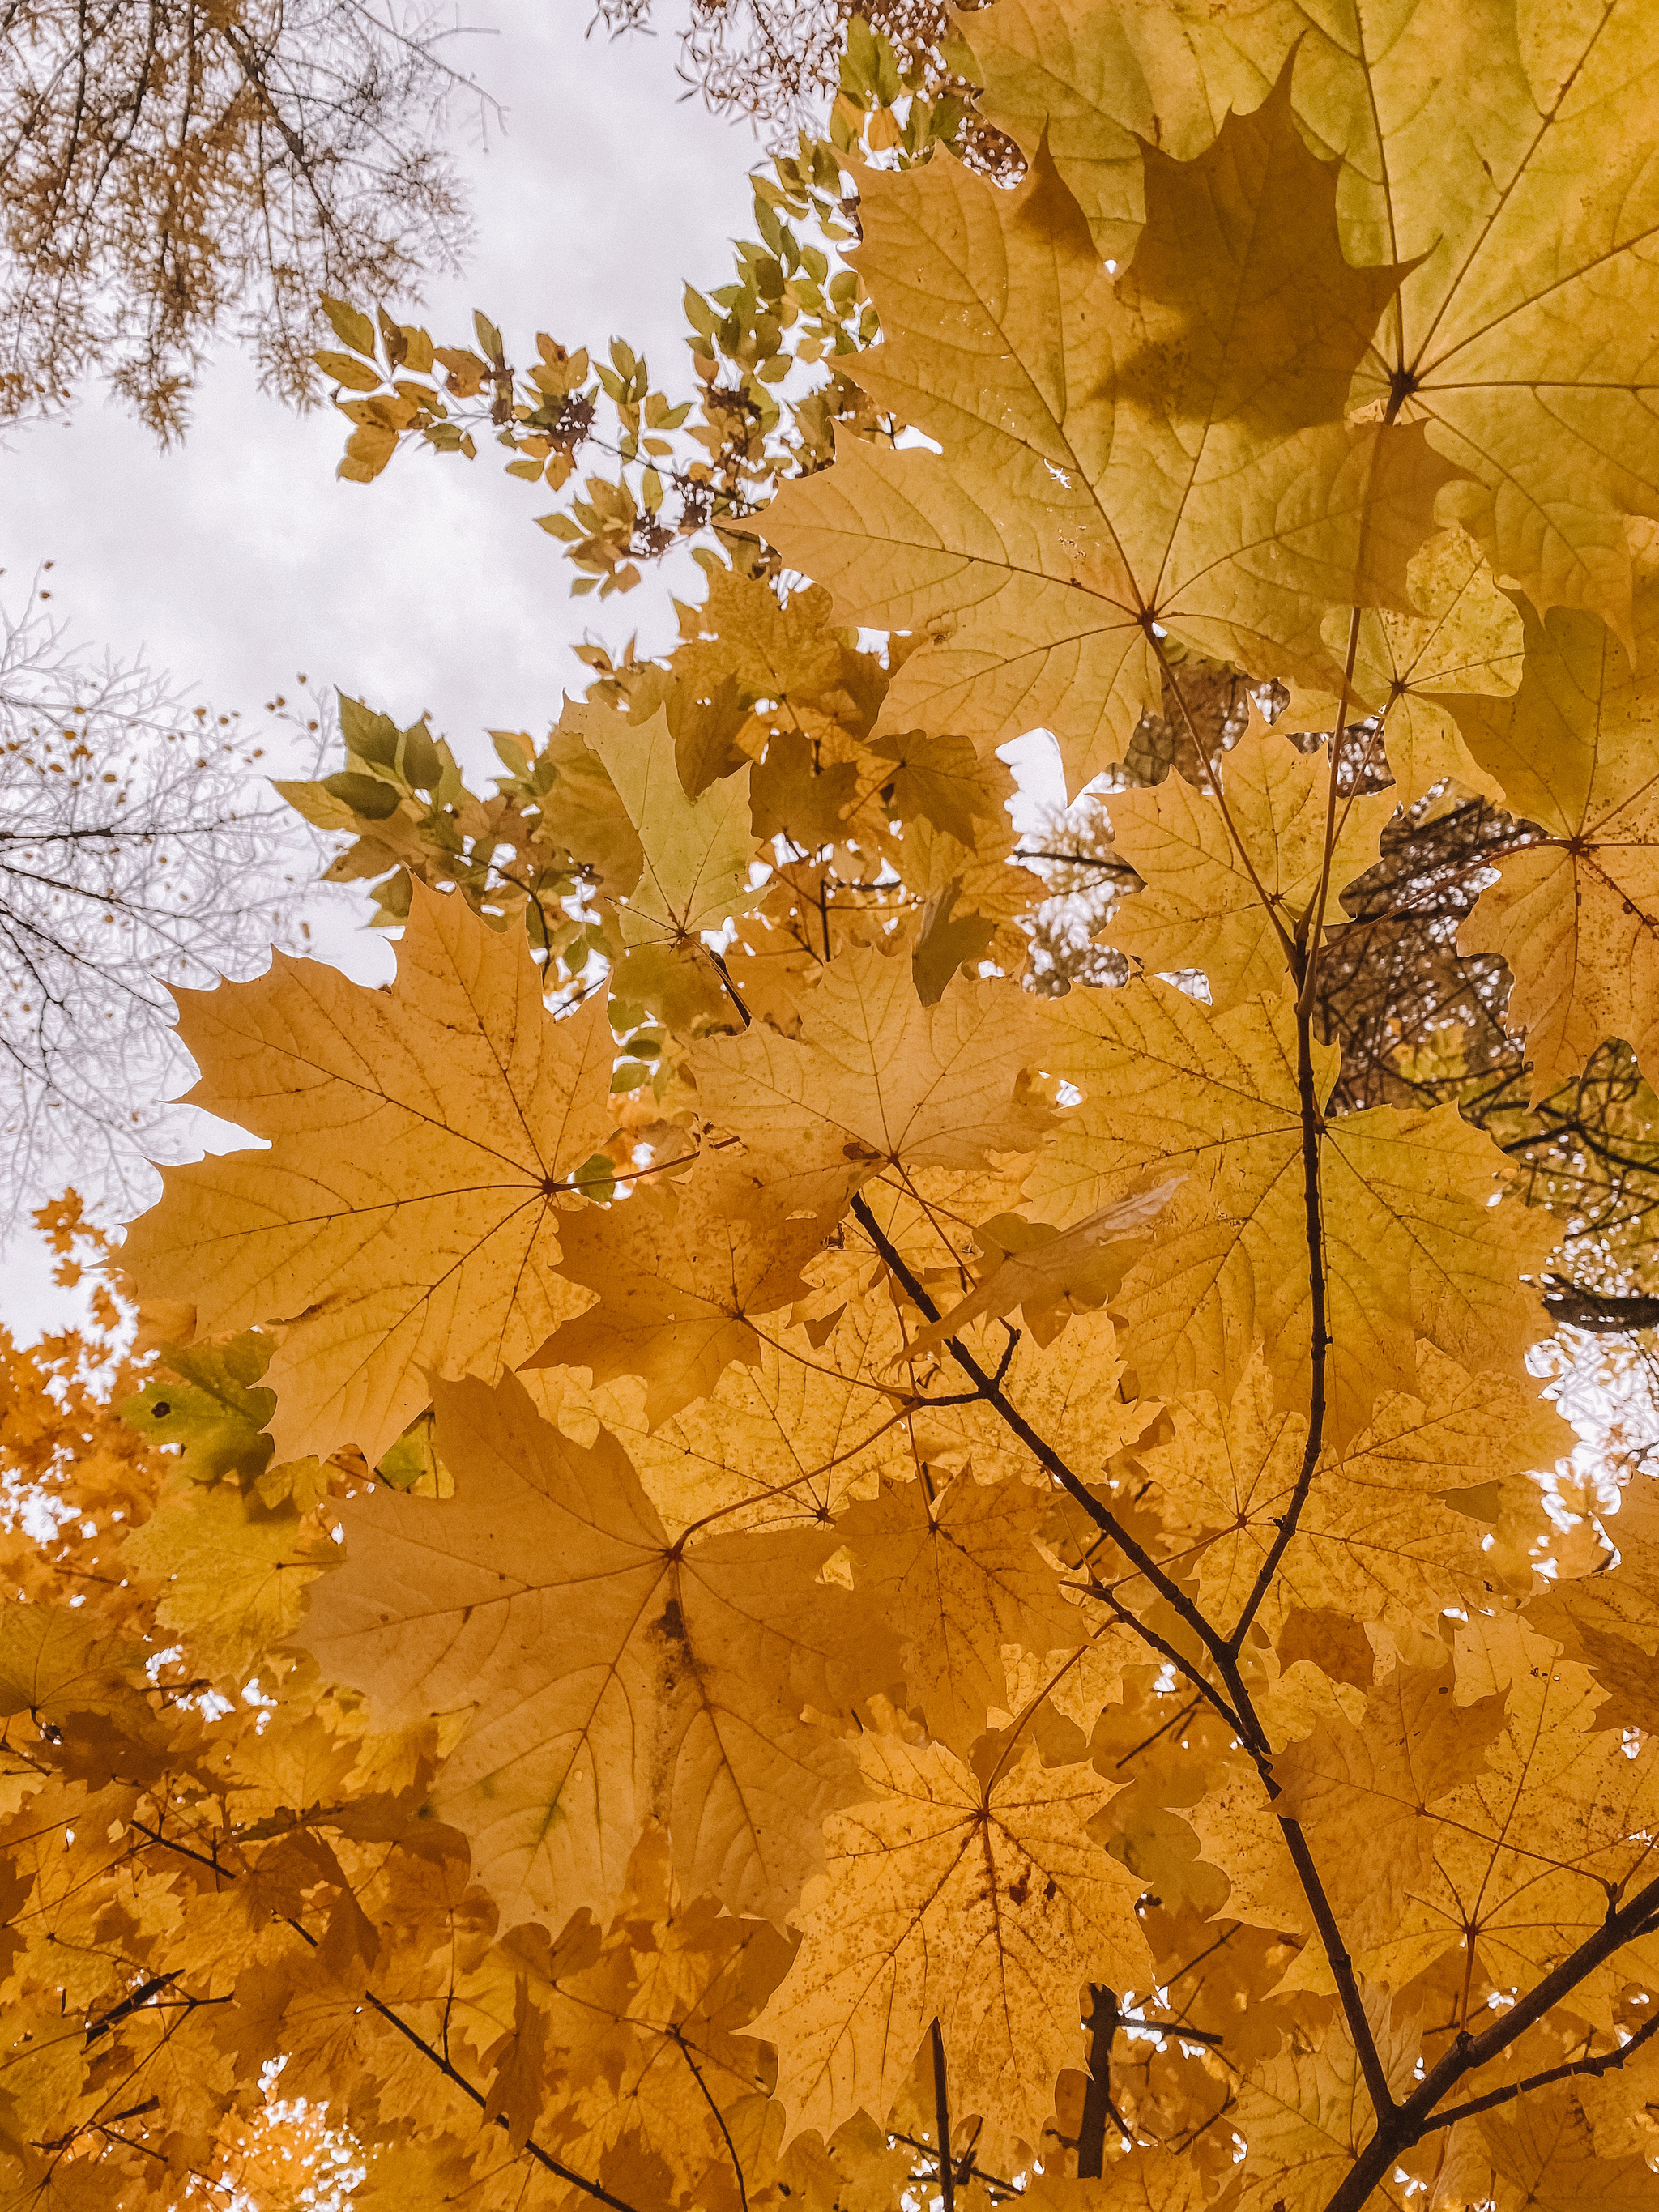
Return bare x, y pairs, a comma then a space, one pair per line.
234, 1578
1525, 1856
1543, 2146
1465, 637
1307, 2114
1577, 914
1227, 879
1415, 1745
776, 650
874, 1078
404, 1217
679, 1269
1518, 334
1048, 1272
956, 1573
983, 1905
1412, 1244
1609, 1622
610, 1676
1111, 462
1378, 1539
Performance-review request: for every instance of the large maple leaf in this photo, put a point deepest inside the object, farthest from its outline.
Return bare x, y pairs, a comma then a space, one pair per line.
1576, 915
1412, 1244
875, 1078
1116, 457
1509, 167
610, 1675
404, 1215
1520, 1859
982, 1905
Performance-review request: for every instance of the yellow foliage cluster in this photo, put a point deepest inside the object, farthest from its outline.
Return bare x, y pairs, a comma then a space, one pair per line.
792, 1571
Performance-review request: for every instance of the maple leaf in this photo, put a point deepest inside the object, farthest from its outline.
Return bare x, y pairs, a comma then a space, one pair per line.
610, 1675
1412, 1245
1414, 1746
1464, 637
792, 797
1576, 915
1095, 479
1378, 1537
1042, 1269
1609, 1622
58, 1664
695, 850
942, 780
1306, 2116
774, 650
1501, 169
1523, 1855
645, 2026
1228, 879
957, 1574
1545, 2149
404, 1217
679, 1269
210, 1408
982, 1905
588, 818
233, 1577
874, 1078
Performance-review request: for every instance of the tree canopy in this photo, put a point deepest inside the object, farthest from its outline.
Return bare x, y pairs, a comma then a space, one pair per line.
852, 1506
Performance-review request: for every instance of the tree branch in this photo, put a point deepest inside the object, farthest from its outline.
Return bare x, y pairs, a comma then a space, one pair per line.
1608, 2061
720, 2117
1097, 2106
1598, 1311
1409, 2122
947, 2179
988, 1387
1313, 1130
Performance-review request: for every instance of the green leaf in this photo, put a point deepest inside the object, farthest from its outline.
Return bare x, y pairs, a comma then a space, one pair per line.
372, 737
209, 1406
351, 328
365, 794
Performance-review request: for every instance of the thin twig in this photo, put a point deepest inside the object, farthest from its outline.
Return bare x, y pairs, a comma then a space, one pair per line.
720, 2117
1595, 2067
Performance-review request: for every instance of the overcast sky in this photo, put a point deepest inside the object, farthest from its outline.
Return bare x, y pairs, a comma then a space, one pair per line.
238, 560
